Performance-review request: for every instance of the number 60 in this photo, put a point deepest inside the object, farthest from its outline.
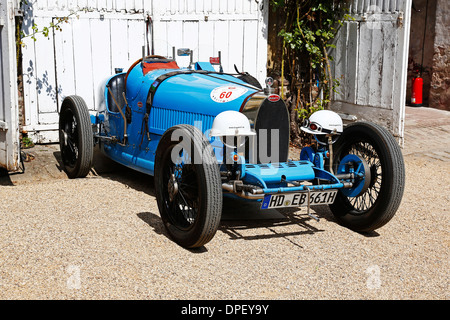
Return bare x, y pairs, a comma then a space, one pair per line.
225, 94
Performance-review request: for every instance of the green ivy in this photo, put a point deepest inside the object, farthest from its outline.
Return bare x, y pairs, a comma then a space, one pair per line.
309, 29
45, 30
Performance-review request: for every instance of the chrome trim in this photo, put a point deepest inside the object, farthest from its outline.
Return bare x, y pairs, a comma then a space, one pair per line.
251, 107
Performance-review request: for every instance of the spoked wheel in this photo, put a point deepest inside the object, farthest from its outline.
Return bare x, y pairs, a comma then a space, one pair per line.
75, 137
378, 203
188, 186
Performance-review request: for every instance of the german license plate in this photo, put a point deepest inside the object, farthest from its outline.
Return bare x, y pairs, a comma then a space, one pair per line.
298, 199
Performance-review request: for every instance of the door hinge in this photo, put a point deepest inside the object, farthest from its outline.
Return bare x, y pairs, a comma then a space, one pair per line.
18, 12
3, 126
400, 19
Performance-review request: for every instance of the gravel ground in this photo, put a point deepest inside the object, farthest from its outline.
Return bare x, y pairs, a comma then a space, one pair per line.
102, 238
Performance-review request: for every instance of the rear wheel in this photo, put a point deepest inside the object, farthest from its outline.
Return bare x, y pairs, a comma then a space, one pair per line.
374, 207
75, 137
188, 186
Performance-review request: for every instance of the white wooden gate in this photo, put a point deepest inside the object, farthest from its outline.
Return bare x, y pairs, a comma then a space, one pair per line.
370, 60
111, 34
9, 121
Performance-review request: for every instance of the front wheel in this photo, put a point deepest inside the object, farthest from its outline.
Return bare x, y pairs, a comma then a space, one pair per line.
188, 186
376, 206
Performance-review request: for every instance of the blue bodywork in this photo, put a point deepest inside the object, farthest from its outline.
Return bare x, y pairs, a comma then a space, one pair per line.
179, 99
170, 97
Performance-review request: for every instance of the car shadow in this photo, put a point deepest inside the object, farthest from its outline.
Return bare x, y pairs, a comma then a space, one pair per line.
154, 221
249, 228
108, 169
132, 179
238, 216
243, 220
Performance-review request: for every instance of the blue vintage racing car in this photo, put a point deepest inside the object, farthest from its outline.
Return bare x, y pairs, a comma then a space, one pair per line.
205, 135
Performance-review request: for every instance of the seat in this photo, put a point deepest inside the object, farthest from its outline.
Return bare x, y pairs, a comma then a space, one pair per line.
155, 63
117, 86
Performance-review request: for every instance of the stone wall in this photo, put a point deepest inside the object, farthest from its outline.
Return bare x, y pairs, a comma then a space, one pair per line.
429, 47
440, 79
423, 20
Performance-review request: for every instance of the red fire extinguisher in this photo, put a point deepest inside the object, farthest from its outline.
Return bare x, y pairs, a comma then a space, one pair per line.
416, 91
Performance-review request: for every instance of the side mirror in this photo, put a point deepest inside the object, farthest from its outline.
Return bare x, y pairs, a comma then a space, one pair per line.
183, 52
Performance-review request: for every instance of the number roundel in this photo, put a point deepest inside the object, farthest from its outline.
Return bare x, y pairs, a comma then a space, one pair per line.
227, 93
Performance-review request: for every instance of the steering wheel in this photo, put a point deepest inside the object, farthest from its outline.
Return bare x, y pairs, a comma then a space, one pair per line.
138, 61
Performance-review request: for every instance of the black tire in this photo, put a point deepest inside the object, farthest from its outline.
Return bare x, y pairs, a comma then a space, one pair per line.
75, 137
378, 204
189, 193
